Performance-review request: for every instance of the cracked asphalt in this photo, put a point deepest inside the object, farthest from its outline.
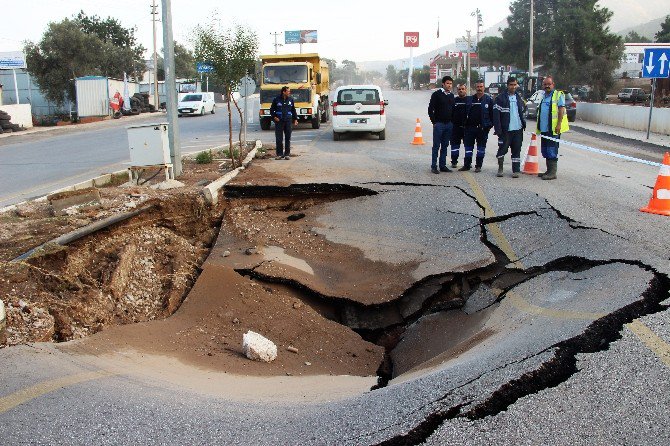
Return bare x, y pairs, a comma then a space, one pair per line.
563, 339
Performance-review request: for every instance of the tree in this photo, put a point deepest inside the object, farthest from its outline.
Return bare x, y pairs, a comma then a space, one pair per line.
391, 75
572, 41
78, 47
184, 62
490, 50
232, 54
663, 36
634, 37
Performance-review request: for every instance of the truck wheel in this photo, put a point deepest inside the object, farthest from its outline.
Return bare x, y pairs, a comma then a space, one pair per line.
214, 109
265, 123
336, 136
382, 135
202, 111
315, 122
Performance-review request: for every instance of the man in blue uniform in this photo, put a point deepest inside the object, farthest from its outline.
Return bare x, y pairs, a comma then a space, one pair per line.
458, 134
478, 123
509, 124
440, 112
284, 115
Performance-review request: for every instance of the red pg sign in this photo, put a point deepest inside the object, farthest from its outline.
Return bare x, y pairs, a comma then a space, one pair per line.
411, 39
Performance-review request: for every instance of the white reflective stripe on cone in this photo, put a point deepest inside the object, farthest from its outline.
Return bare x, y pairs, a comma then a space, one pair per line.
663, 194
665, 171
531, 159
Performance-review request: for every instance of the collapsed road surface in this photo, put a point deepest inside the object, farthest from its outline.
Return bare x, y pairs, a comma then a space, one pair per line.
441, 309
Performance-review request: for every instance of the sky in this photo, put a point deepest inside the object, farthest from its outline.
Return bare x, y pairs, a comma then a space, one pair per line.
354, 30
358, 30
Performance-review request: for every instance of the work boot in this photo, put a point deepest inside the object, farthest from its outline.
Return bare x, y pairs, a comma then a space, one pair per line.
515, 174
552, 167
478, 169
500, 167
541, 174
467, 164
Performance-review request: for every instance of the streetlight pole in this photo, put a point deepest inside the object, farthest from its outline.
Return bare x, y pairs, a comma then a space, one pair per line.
478, 15
530, 48
467, 66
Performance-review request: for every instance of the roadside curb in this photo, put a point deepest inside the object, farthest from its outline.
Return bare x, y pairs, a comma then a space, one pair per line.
211, 192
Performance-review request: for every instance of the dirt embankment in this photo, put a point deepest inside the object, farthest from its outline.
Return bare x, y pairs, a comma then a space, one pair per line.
137, 270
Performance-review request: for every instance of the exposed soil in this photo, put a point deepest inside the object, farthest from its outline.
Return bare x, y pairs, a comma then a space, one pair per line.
129, 283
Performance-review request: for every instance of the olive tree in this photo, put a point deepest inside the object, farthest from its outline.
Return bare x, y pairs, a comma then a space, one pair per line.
232, 54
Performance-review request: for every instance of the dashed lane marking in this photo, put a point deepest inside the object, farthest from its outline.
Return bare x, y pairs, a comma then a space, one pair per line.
644, 333
29, 393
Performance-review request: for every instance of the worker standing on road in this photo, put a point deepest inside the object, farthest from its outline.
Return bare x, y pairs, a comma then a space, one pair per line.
509, 124
284, 115
460, 112
552, 120
478, 123
440, 112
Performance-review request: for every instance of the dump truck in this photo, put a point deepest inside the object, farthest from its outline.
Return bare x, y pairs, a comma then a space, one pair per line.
307, 77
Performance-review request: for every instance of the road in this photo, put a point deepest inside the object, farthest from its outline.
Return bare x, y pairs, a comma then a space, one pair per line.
35, 164
564, 338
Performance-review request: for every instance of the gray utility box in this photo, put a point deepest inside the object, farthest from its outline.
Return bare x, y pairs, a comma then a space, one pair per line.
149, 144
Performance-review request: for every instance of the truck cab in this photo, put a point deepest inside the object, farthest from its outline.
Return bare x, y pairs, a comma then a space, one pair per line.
308, 81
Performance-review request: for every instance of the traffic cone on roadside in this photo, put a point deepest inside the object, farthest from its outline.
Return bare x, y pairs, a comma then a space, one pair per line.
530, 165
660, 198
418, 136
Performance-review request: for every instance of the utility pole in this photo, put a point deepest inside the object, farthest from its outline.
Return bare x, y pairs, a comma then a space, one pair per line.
154, 13
530, 48
467, 66
277, 44
171, 88
478, 15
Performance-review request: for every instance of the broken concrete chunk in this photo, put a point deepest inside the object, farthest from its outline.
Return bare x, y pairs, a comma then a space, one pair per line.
225, 253
292, 349
258, 348
251, 251
168, 184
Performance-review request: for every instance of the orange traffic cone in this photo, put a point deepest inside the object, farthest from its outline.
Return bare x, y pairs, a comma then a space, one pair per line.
660, 198
418, 136
530, 165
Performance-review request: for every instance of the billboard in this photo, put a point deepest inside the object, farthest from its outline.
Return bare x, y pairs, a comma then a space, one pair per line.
302, 36
411, 39
12, 59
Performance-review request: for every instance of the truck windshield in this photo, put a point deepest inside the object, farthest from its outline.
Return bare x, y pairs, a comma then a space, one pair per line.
192, 98
284, 74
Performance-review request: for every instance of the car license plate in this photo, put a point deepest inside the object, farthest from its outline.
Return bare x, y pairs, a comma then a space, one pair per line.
359, 121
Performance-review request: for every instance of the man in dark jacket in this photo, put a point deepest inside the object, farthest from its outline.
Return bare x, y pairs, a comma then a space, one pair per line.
509, 124
478, 123
283, 114
440, 112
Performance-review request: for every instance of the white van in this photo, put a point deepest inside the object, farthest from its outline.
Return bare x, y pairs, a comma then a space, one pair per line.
196, 104
359, 108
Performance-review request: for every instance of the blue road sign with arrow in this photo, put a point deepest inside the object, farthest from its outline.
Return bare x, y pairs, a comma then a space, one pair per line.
656, 62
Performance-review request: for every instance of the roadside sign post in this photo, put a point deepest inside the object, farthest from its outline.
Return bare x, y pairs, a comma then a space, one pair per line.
656, 64
411, 42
